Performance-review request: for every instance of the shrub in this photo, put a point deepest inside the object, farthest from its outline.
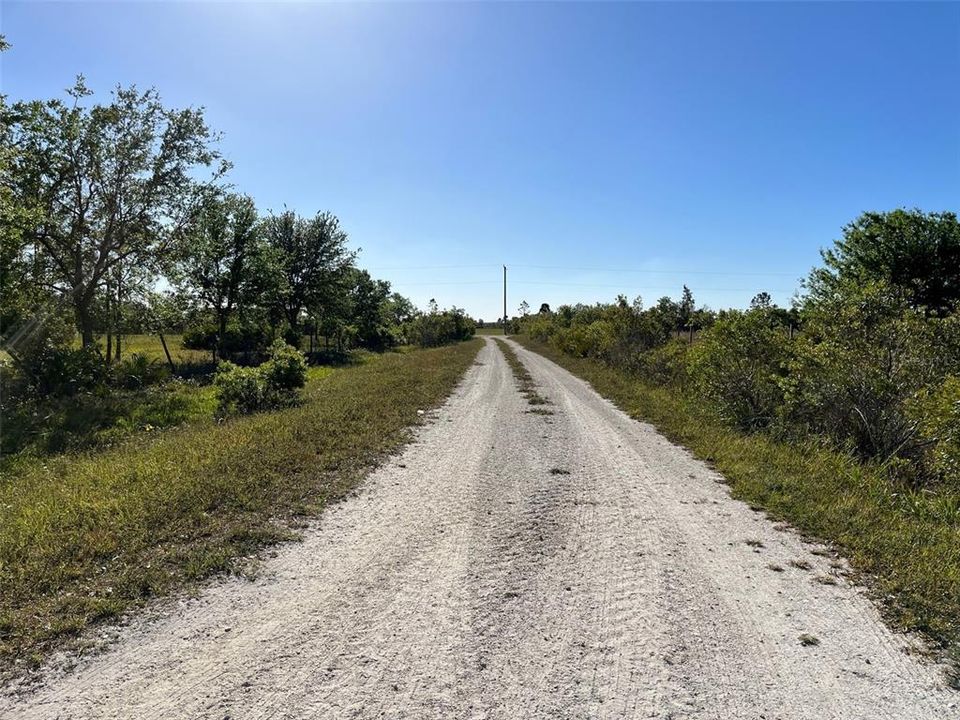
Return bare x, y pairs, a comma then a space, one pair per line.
667, 364
238, 338
440, 328
239, 389
65, 371
737, 367
272, 384
864, 354
286, 369
936, 414
139, 371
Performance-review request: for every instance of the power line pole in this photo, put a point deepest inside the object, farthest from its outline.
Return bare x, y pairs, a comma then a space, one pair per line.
504, 299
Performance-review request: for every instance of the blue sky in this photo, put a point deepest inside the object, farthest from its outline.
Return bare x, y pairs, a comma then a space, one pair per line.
593, 148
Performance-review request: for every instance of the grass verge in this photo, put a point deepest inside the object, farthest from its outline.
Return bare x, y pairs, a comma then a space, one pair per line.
84, 537
524, 381
904, 544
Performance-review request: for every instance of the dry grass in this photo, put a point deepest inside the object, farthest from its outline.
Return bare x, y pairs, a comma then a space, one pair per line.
525, 383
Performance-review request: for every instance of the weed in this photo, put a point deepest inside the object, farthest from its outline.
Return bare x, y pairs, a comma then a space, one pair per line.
524, 381
808, 640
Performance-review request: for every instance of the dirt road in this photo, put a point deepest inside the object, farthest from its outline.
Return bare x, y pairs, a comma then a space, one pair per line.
517, 565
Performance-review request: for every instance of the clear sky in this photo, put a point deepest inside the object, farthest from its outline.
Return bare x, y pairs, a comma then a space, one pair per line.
593, 148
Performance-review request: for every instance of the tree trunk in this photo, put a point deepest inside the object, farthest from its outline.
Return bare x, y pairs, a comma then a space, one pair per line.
109, 316
166, 352
118, 313
84, 322
221, 331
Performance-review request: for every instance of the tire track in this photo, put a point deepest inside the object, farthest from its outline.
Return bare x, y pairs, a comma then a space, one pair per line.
465, 580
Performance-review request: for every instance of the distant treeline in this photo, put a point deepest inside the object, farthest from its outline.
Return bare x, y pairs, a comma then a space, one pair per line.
117, 218
868, 359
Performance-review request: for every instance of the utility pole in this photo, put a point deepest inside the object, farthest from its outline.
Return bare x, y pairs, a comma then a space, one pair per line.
504, 299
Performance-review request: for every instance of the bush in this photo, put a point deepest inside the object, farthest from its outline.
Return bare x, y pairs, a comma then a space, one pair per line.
936, 414
272, 384
863, 356
238, 338
737, 367
667, 364
65, 371
286, 369
617, 333
239, 389
440, 328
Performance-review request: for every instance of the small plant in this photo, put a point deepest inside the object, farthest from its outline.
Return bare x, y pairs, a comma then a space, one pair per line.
139, 371
808, 640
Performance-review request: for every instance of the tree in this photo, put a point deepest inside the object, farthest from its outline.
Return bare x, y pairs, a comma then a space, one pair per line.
220, 261
400, 309
761, 301
913, 252
524, 308
686, 308
544, 309
369, 310
113, 183
312, 261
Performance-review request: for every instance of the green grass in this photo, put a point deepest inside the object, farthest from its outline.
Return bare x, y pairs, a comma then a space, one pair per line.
84, 537
490, 330
904, 544
150, 347
86, 422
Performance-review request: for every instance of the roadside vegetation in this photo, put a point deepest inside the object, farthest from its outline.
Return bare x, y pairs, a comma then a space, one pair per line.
840, 415
181, 372
87, 536
132, 274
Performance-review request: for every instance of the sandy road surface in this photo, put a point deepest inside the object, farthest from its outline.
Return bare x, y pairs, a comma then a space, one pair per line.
467, 581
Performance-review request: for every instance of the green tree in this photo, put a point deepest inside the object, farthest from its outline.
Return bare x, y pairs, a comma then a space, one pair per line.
220, 261
686, 308
369, 307
312, 262
113, 183
400, 309
913, 252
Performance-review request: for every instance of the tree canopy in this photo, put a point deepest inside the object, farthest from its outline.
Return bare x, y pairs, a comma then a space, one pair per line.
914, 252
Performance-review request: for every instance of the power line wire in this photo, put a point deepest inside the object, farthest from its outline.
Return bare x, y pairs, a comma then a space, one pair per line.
572, 268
